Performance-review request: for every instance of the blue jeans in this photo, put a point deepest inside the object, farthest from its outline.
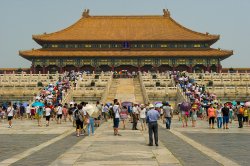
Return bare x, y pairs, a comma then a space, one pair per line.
168, 122
91, 124
219, 122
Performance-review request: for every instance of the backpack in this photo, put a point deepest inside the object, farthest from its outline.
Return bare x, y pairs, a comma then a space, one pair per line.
77, 115
241, 110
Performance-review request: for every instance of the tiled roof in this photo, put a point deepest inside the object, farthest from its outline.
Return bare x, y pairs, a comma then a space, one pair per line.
127, 53
126, 28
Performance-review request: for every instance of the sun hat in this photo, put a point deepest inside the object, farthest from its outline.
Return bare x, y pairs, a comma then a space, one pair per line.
151, 106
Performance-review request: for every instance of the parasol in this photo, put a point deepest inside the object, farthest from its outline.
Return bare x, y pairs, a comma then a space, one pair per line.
185, 106
92, 110
37, 104
247, 104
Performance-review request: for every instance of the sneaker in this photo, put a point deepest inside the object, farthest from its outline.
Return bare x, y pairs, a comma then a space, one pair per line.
150, 144
82, 134
77, 135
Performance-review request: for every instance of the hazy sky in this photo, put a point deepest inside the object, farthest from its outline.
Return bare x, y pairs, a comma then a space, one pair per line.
19, 19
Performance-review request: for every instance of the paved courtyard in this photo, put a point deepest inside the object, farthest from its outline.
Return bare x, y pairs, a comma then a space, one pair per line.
28, 144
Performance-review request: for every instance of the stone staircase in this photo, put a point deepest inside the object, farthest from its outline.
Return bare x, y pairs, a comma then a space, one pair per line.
138, 91
112, 92
125, 89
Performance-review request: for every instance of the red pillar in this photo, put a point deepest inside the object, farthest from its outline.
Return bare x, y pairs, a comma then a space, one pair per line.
208, 69
61, 70
113, 68
44, 70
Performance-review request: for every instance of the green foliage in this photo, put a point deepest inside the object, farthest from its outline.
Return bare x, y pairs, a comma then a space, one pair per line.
40, 84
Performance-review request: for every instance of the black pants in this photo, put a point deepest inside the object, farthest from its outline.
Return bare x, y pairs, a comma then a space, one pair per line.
153, 128
134, 124
240, 117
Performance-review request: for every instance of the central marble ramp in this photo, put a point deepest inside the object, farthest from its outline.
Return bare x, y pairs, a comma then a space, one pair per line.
125, 89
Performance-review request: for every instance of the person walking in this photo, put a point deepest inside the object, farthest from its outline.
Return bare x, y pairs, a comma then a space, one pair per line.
78, 118
59, 113
152, 117
39, 115
168, 114
90, 121
239, 112
10, 114
245, 115
219, 117
124, 116
225, 112
117, 110
47, 115
211, 116
135, 114
143, 117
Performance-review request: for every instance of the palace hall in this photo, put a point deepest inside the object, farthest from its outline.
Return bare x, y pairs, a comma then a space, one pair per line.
133, 43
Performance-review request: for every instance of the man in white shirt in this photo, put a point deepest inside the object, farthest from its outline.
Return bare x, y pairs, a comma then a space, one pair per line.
59, 114
28, 111
10, 114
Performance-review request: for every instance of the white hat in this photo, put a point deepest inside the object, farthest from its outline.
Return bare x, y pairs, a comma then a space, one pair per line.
151, 106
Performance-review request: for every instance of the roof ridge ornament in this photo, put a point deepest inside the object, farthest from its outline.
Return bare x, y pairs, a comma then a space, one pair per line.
85, 13
166, 13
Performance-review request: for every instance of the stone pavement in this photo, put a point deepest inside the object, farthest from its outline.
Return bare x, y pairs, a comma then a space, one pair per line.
106, 149
28, 144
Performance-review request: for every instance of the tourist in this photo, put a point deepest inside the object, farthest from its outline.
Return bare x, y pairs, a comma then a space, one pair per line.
211, 116
231, 114
70, 112
32, 112
135, 113
117, 110
152, 117
78, 117
143, 117
239, 112
10, 114
65, 112
84, 113
59, 113
124, 116
194, 117
167, 114
39, 115
225, 112
184, 117
98, 119
219, 117
245, 115
90, 121
22, 111
47, 115
28, 112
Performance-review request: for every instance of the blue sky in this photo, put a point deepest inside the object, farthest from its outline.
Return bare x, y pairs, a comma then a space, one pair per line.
19, 19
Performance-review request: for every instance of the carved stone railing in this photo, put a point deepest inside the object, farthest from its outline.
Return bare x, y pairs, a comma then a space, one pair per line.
106, 92
143, 89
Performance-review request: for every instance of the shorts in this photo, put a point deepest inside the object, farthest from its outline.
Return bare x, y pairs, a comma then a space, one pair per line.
10, 118
194, 117
47, 118
225, 119
211, 120
245, 119
143, 120
79, 124
59, 116
116, 122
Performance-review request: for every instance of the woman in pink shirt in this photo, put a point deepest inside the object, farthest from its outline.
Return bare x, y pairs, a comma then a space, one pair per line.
211, 116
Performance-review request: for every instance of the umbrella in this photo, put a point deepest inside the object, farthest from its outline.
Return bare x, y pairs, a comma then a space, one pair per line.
185, 106
158, 105
92, 110
157, 102
234, 103
25, 104
247, 104
37, 104
127, 103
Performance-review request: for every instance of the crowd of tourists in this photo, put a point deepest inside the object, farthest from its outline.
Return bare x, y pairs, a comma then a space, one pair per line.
205, 105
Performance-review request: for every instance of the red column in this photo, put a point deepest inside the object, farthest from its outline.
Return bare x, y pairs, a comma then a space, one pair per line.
61, 70
208, 69
113, 68
44, 70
